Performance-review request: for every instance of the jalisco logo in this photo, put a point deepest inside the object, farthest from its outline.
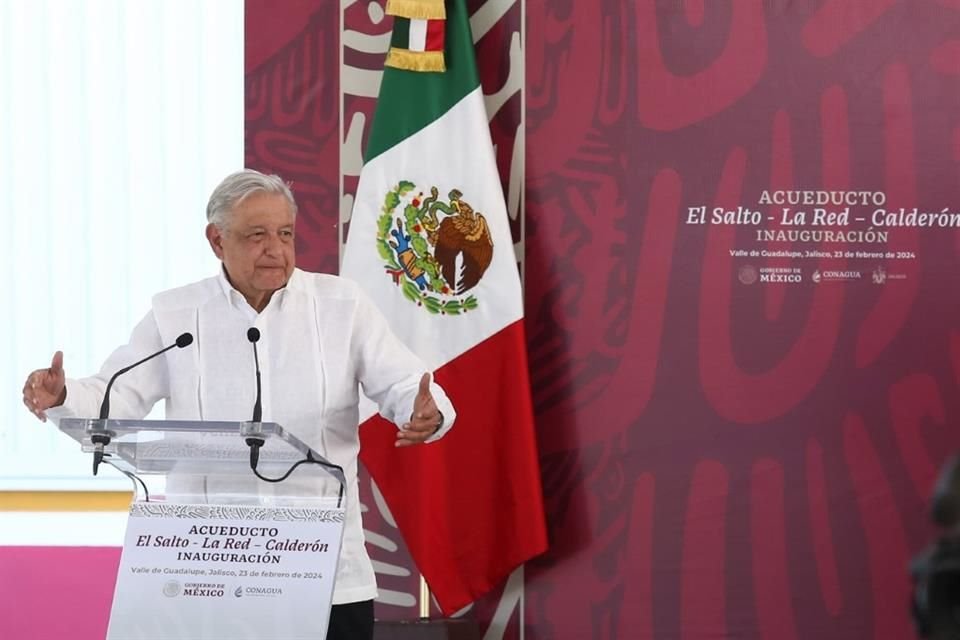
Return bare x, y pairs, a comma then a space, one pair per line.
881, 276
435, 251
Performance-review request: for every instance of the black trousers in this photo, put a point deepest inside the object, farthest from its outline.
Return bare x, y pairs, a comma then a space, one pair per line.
351, 621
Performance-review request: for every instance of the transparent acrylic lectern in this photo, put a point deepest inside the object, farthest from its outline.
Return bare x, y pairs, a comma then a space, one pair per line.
211, 549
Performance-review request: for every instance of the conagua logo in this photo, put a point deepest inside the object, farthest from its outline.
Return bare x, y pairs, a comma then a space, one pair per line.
435, 251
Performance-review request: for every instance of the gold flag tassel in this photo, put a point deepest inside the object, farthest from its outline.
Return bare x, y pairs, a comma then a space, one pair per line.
415, 60
417, 9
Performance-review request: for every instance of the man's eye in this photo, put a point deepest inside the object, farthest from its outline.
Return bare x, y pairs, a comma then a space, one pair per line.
286, 234
256, 235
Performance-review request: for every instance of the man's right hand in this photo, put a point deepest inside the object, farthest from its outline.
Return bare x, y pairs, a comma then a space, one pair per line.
46, 388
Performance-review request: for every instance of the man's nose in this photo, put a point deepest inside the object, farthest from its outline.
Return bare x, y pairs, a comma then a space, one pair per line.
273, 244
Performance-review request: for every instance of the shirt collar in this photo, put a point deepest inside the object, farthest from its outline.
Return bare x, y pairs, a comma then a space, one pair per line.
296, 283
237, 299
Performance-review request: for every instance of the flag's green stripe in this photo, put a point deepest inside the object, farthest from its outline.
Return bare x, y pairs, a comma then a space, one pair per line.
401, 33
410, 100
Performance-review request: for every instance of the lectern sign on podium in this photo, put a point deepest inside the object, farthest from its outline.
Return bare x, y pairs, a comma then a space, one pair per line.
212, 551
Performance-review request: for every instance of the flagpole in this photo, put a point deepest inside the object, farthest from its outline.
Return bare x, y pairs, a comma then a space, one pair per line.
420, 109
424, 598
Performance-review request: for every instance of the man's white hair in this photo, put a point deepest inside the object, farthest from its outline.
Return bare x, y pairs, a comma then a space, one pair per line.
237, 186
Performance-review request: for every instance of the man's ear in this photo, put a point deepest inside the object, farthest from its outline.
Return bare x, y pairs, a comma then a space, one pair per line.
215, 238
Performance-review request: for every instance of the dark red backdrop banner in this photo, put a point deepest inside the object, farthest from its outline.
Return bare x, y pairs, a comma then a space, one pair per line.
741, 273
293, 113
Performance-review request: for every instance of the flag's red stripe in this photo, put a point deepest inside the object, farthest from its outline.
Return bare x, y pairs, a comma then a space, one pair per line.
435, 29
470, 506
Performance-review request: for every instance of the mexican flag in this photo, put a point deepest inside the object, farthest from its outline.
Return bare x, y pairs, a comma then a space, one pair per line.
430, 243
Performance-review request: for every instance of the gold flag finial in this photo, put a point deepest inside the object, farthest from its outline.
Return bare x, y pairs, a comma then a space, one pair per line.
417, 9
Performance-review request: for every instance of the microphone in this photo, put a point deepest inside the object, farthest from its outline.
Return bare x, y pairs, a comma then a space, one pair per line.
253, 335
183, 340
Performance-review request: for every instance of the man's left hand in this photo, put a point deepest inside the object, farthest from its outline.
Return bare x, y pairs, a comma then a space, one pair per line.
425, 419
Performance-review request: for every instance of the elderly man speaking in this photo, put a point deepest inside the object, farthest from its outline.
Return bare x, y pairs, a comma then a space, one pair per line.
322, 339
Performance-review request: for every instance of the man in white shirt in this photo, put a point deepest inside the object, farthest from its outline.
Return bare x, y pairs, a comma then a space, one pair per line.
321, 341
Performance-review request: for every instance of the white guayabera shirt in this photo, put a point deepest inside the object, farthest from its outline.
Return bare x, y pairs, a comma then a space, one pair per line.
321, 340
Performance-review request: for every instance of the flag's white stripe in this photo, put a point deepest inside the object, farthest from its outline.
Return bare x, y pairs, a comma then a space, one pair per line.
453, 151
62, 529
418, 35
464, 159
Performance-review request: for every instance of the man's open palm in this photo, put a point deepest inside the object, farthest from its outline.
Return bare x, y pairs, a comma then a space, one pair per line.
45, 388
425, 419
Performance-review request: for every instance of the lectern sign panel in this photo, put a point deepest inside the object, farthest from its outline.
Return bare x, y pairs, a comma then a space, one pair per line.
211, 571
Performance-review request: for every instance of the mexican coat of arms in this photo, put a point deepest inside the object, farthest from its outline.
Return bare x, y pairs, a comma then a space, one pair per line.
436, 250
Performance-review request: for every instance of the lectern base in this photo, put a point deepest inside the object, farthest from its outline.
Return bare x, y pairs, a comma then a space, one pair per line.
442, 629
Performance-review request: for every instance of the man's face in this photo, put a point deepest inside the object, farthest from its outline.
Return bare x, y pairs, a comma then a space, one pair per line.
257, 247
